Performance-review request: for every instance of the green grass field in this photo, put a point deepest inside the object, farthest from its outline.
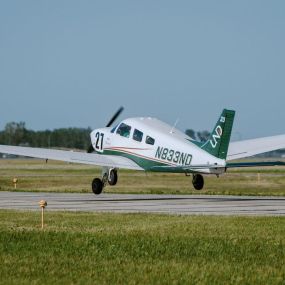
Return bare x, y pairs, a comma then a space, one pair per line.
82, 248
94, 248
36, 175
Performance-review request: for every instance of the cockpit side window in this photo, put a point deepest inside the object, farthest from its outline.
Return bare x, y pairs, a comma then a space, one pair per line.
149, 140
124, 130
138, 135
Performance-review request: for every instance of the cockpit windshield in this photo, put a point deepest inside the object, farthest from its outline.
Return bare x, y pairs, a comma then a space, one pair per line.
113, 130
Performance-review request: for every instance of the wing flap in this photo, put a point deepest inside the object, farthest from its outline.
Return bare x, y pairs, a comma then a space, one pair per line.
71, 156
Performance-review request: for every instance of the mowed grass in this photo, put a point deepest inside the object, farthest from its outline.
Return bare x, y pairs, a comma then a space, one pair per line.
92, 248
36, 175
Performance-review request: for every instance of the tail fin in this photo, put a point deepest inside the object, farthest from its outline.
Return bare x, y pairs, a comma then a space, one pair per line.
218, 143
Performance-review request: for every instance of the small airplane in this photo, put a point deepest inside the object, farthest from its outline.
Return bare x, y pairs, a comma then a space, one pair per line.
149, 144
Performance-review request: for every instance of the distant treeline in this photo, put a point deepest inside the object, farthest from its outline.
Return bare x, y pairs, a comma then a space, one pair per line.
18, 134
74, 138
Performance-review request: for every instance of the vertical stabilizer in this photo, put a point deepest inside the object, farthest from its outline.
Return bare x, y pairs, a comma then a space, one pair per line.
218, 143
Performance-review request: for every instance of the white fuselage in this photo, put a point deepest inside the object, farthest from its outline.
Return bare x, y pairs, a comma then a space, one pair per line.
150, 142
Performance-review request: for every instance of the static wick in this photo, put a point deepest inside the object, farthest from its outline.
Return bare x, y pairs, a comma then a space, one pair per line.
15, 181
43, 204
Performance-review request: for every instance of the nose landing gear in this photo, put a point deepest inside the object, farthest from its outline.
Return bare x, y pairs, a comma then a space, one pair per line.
108, 175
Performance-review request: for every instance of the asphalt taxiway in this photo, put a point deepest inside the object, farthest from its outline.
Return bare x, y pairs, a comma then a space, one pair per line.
167, 204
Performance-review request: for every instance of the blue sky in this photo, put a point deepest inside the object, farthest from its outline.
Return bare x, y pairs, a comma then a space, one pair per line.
73, 63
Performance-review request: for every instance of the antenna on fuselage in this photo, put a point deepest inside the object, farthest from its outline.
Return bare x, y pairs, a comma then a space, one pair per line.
171, 131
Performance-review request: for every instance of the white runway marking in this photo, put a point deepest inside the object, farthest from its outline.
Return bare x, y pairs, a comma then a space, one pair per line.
167, 204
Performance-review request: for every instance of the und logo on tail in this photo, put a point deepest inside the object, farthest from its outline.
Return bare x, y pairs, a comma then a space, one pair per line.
218, 143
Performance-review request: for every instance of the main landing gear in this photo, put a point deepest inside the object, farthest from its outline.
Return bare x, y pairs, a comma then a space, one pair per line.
198, 181
108, 176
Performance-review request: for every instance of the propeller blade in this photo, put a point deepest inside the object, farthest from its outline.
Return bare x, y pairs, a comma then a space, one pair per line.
117, 114
90, 149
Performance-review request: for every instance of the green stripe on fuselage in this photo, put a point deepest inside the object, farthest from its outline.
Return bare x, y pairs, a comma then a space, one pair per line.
144, 163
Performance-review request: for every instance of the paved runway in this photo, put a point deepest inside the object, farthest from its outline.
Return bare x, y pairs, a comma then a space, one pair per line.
167, 204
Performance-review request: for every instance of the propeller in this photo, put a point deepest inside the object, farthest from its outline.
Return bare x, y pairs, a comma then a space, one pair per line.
113, 119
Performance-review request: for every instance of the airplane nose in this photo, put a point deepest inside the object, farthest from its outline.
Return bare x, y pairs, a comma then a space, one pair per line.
93, 134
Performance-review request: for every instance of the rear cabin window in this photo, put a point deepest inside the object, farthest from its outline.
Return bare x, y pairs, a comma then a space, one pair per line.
149, 140
124, 130
138, 135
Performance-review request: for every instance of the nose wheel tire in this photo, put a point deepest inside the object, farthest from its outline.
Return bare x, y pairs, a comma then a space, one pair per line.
198, 181
113, 177
97, 186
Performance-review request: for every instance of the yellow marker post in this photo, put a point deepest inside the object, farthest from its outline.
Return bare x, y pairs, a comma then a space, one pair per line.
43, 204
15, 181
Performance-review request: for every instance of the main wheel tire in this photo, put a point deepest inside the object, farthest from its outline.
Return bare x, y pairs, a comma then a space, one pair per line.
97, 186
113, 177
198, 181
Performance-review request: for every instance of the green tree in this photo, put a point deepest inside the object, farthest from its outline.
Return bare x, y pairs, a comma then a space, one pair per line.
203, 136
191, 133
14, 133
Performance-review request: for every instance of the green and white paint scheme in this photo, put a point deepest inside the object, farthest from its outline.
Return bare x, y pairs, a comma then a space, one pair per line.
151, 145
170, 150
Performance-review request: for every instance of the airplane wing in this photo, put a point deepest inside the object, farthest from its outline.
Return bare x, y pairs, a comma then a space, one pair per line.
71, 156
247, 148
